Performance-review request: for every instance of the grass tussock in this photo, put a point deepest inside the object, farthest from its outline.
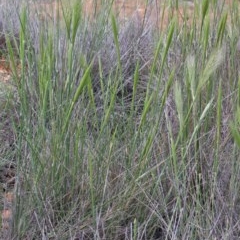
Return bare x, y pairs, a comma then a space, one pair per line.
120, 131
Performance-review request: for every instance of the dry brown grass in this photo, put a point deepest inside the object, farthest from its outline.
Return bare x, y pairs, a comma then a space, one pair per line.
157, 15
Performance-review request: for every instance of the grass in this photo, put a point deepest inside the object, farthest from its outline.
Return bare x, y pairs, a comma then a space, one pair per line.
123, 132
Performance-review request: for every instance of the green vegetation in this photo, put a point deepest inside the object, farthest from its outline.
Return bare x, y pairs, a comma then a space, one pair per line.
123, 132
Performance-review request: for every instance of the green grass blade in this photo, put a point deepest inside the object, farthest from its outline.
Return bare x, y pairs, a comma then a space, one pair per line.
205, 7
234, 126
221, 28
76, 19
116, 41
84, 82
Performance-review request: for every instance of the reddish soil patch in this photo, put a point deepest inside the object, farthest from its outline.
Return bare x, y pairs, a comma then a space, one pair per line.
5, 72
7, 215
158, 12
